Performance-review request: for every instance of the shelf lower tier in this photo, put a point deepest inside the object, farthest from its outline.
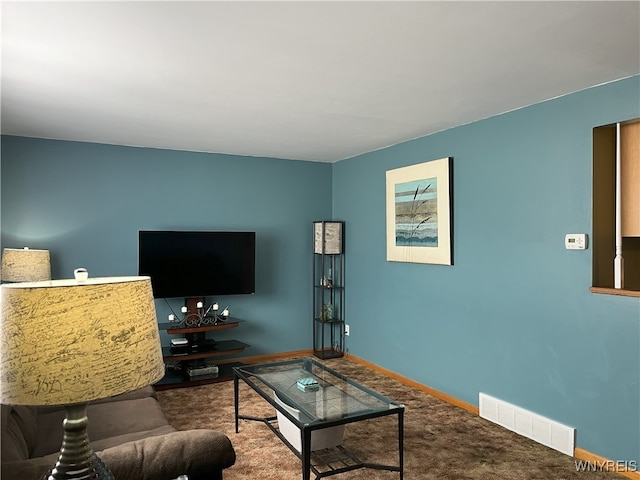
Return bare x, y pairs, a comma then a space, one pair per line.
328, 320
222, 347
180, 380
328, 353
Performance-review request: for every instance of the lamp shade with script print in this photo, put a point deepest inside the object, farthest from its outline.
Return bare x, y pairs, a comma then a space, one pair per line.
25, 265
69, 341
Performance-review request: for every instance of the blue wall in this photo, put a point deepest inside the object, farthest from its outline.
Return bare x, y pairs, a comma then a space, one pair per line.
513, 317
86, 202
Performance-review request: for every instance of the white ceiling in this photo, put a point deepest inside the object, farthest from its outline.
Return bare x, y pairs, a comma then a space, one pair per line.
319, 81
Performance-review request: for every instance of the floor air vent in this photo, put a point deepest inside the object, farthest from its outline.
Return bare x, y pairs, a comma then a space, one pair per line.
528, 424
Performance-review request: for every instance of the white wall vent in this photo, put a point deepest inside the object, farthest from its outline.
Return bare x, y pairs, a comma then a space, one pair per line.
528, 424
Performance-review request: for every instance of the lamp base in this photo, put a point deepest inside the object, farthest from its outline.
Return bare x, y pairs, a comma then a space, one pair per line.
77, 460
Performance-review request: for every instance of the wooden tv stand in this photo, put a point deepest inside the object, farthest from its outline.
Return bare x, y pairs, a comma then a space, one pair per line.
197, 349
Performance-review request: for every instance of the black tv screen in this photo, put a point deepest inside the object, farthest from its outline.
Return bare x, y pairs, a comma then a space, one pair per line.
197, 263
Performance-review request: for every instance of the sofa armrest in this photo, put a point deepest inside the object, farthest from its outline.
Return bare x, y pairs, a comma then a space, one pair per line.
200, 454
31, 469
196, 453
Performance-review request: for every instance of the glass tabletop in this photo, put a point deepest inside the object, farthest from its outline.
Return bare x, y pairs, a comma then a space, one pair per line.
335, 396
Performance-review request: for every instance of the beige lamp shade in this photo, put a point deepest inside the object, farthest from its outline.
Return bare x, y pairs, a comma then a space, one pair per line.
25, 265
71, 341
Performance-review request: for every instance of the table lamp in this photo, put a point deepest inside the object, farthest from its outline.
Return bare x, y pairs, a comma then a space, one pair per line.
68, 342
25, 265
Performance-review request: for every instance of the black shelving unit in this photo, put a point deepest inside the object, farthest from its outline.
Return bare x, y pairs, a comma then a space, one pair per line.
328, 289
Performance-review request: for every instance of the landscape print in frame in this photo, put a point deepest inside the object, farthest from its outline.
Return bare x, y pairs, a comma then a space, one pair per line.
419, 213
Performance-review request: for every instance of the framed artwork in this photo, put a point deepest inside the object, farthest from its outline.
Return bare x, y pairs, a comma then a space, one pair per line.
419, 213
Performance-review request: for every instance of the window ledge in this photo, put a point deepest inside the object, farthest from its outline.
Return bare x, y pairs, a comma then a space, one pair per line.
615, 291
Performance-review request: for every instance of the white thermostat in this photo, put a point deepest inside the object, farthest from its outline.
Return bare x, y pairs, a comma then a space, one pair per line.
575, 241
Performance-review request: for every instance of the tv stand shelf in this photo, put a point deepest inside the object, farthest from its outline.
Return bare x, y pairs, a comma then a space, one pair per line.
190, 353
223, 347
171, 327
175, 379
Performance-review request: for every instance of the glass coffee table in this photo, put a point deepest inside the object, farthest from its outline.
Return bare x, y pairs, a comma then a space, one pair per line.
327, 401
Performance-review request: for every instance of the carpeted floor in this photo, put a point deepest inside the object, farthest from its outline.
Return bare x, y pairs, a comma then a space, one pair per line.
442, 442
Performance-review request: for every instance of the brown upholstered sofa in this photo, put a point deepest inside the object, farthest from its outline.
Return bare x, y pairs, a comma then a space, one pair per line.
128, 432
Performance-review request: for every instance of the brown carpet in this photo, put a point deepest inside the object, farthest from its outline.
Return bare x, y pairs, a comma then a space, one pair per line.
442, 442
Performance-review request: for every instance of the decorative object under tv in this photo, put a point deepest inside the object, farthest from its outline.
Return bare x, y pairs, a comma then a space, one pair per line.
197, 314
68, 342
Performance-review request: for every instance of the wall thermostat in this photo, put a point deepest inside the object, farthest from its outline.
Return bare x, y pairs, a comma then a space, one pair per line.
575, 241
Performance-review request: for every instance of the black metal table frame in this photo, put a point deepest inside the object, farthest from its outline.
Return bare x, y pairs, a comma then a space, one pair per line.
306, 454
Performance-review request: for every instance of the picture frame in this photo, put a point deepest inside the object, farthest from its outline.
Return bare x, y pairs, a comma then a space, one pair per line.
418, 202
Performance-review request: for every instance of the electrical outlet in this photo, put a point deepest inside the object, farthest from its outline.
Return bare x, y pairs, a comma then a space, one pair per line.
346, 329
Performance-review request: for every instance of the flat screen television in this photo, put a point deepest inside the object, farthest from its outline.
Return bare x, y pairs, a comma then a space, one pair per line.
197, 263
